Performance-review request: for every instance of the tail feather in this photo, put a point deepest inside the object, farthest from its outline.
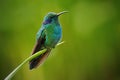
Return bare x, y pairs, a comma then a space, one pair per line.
39, 60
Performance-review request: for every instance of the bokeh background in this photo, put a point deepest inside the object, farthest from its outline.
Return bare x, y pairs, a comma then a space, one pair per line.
91, 31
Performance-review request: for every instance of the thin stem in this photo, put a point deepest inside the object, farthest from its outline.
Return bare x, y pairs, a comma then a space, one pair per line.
25, 61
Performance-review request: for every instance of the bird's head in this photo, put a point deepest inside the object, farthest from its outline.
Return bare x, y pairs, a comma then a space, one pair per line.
52, 17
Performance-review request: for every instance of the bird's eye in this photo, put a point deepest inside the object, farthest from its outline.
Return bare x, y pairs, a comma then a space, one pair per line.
51, 17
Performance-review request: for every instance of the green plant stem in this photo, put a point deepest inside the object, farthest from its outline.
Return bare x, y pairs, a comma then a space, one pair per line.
25, 61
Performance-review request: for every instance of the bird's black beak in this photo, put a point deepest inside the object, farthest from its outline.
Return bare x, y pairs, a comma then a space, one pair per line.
58, 14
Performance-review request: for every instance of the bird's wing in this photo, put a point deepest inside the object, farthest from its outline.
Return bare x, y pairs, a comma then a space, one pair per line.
39, 46
40, 40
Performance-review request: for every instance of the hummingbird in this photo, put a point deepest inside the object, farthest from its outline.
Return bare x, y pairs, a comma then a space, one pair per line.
47, 37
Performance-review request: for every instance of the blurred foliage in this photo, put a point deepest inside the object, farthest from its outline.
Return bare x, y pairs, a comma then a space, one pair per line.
91, 31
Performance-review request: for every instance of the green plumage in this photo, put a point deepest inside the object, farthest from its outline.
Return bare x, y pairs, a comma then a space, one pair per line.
47, 37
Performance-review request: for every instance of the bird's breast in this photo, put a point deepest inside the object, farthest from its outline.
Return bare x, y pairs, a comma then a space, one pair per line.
53, 35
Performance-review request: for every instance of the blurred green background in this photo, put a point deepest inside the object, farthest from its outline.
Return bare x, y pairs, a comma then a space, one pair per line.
91, 31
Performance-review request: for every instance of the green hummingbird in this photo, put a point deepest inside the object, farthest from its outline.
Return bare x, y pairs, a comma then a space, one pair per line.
47, 37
